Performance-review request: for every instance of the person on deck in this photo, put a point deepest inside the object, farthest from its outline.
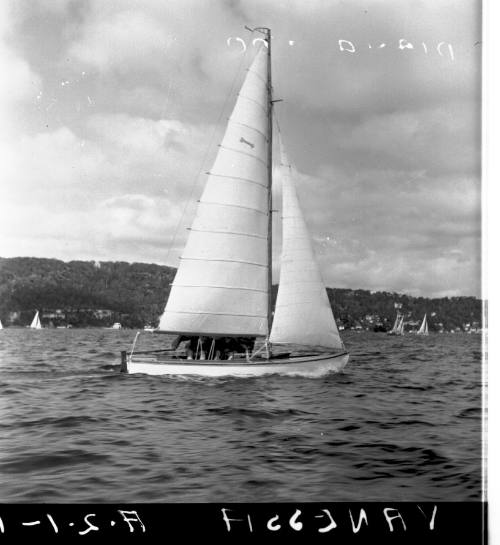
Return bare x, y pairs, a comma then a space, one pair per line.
190, 347
240, 345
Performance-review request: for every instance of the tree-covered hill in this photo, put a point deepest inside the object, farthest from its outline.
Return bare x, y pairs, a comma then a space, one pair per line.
83, 293
376, 310
135, 293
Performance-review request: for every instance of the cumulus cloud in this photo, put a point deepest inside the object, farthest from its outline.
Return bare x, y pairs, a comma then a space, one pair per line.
20, 80
115, 110
123, 38
130, 227
80, 189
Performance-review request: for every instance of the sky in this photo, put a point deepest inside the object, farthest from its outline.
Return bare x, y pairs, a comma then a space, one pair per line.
111, 112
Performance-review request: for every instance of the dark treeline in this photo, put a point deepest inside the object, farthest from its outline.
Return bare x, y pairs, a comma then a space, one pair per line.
86, 293
354, 308
134, 293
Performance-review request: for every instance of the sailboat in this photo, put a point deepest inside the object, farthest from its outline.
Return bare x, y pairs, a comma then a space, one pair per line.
424, 328
222, 289
36, 324
399, 325
1, 326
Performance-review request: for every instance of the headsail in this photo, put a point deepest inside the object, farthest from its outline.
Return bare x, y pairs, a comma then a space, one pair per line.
303, 314
221, 286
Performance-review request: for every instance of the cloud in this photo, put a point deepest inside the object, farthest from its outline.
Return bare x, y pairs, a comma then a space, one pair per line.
443, 138
118, 154
115, 110
128, 42
89, 191
131, 227
19, 81
378, 231
124, 38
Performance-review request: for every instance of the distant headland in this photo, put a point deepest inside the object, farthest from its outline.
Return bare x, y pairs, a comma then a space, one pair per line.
97, 294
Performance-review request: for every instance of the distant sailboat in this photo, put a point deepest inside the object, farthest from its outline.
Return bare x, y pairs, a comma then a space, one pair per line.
399, 325
36, 324
221, 294
1, 326
424, 328
401, 328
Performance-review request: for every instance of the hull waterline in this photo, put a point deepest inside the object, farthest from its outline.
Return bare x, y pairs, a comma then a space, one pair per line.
310, 366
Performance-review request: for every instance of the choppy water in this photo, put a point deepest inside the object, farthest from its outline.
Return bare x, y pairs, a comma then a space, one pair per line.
403, 422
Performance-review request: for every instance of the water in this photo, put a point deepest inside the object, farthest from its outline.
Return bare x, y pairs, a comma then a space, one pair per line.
403, 422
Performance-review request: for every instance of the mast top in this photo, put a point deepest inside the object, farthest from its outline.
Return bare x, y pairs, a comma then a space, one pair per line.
262, 29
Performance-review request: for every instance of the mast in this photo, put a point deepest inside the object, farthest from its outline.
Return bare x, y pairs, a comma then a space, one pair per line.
270, 163
267, 33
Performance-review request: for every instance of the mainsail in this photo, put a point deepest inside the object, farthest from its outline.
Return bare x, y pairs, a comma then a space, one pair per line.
1, 326
221, 285
303, 314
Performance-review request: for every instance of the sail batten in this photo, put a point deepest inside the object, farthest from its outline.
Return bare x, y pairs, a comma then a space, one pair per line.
245, 153
219, 287
239, 179
303, 314
232, 233
256, 210
233, 121
224, 265
218, 313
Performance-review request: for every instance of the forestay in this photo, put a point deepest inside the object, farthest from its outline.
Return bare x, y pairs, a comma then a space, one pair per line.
303, 314
221, 284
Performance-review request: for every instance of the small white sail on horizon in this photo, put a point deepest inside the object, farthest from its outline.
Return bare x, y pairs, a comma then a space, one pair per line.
395, 325
36, 323
424, 328
401, 326
398, 327
1, 326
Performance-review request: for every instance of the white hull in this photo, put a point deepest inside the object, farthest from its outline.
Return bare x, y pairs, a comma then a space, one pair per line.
310, 366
